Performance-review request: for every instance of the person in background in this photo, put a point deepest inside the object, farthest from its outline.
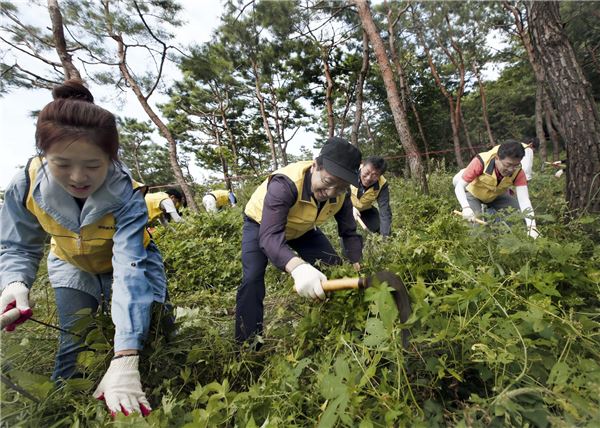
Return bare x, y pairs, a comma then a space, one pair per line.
78, 192
164, 206
487, 179
372, 187
218, 199
561, 165
281, 225
530, 146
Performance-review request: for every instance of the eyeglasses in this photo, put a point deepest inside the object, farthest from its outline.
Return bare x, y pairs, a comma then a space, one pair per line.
509, 165
331, 183
369, 173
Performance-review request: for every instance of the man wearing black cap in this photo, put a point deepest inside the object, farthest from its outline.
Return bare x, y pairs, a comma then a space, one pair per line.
281, 223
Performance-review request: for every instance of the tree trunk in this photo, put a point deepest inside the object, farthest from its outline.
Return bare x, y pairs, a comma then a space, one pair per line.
281, 142
570, 93
467, 136
172, 144
455, 135
539, 123
143, 100
137, 162
394, 57
362, 76
60, 43
454, 118
328, 93
484, 112
535, 65
224, 166
349, 95
398, 112
263, 114
404, 87
370, 133
232, 141
553, 136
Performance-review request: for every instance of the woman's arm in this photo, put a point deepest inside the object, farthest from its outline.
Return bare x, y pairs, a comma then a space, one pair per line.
21, 236
132, 294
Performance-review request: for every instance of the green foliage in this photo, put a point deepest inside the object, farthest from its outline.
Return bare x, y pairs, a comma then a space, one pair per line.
206, 261
503, 331
149, 162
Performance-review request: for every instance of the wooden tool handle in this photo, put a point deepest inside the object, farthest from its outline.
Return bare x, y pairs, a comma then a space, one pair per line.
476, 220
342, 284
362, 223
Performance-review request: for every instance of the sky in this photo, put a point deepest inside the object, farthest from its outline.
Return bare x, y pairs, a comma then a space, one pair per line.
17, 127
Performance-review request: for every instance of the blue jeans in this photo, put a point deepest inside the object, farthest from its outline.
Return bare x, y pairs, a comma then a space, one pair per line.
68, 302
249, 310
76, 290
503, 201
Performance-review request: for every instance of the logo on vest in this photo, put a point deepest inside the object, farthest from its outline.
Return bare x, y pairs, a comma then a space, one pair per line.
106, 227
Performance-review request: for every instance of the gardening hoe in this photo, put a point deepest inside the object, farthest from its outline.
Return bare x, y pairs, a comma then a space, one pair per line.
400, 293
361, 222
476, 220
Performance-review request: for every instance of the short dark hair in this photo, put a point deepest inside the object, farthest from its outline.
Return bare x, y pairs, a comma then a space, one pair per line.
511, 149
378, 163
534, 142
171, 191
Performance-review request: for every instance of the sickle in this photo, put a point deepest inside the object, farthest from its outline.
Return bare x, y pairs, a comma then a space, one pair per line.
399, 292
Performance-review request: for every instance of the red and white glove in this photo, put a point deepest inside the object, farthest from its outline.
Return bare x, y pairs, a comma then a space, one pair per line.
14, 306
121, 387
307, 281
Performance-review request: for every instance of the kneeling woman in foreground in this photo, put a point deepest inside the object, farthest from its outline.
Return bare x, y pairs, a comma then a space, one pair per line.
79, 193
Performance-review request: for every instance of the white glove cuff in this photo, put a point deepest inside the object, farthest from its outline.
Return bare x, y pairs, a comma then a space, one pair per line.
17, 284
125, 363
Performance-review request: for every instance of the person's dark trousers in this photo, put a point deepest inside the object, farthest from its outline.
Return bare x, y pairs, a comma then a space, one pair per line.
370, 218
311, 246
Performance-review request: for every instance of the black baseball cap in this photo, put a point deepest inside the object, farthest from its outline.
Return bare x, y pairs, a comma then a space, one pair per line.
341, 159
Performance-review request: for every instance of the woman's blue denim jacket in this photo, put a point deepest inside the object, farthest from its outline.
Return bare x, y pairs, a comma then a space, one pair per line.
22, 241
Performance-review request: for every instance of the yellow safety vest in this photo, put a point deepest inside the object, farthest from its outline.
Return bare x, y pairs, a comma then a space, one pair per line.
89, 250
222, 197
368, 198
486, 187
303, 214
153, 201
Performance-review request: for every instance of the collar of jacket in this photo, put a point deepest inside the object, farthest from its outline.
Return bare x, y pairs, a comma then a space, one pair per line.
362, 189
61, 206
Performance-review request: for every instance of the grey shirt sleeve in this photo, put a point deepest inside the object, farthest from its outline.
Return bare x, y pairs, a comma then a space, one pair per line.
385, 212
281, 196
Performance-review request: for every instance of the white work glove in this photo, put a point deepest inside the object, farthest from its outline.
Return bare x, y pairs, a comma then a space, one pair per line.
307, 281
533, 233
355, 213
558, 173
468, 214
14, 306
121, 388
